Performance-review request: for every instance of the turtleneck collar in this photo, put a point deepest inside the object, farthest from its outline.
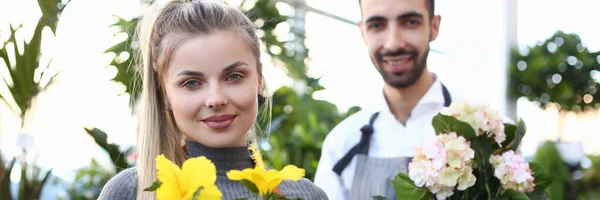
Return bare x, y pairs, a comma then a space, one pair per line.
225, 159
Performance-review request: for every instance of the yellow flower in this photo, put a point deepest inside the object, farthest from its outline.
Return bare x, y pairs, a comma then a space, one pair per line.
256, 156
182, 183
266, 180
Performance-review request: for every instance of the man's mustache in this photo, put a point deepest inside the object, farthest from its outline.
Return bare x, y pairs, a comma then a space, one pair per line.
400, 52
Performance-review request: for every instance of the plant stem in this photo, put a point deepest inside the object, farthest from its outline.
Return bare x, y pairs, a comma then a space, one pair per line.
498, 193
488, 191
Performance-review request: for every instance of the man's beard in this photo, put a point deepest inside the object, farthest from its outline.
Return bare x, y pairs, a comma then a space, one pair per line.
406, 78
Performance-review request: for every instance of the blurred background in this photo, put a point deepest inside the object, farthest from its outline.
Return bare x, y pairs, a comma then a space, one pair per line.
66, 95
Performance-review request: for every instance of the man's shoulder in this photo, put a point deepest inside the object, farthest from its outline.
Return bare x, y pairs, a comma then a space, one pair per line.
121, 186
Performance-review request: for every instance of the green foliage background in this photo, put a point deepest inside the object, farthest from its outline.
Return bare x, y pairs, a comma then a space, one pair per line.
558, 70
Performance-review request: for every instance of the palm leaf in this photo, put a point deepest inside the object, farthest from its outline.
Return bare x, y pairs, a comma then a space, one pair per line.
5, 179
125, 71
24, 87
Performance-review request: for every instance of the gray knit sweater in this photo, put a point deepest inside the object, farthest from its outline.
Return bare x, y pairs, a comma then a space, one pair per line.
123, 186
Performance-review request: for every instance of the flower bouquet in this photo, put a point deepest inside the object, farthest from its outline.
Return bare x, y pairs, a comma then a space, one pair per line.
195, 180
473, 156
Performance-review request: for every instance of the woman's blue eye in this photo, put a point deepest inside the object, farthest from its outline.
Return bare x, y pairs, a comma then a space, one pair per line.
234, 77
191, 84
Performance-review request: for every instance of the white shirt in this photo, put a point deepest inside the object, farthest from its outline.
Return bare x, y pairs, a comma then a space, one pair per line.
390, 138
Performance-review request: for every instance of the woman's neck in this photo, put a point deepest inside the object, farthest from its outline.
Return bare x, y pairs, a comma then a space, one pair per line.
225, 159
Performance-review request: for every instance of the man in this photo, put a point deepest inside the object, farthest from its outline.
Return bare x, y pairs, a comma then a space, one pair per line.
363, 153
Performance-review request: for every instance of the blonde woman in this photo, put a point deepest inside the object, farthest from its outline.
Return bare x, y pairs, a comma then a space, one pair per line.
201, 80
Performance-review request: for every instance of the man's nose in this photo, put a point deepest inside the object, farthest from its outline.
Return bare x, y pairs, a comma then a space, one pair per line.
394, 39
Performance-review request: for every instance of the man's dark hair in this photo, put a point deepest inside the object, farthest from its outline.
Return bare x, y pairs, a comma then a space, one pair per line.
429, 3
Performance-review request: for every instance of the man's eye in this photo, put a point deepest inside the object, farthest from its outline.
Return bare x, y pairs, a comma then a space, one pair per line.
413, 22
375, 26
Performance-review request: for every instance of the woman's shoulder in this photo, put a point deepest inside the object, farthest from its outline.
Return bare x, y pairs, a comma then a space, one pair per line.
121, 186
302, 188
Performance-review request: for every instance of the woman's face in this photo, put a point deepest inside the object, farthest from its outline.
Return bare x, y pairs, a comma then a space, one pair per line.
212, 86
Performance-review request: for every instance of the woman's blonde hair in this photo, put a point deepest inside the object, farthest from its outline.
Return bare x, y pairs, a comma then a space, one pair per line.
159, 34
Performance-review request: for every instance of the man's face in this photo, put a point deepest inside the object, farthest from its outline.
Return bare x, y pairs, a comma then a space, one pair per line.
397, 34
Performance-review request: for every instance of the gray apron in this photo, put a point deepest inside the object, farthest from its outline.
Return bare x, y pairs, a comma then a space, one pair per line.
373, 176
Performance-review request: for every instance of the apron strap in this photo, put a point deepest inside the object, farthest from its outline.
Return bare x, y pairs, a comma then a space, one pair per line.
361, 148
447, 97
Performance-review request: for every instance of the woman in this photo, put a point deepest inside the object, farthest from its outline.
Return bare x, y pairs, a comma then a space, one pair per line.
201, 80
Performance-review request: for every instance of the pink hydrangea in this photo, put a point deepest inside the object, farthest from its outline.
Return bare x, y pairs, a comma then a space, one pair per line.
483, 119
513, 171
442, 164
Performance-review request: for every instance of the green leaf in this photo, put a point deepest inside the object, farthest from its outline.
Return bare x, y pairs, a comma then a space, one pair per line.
378, 198
154, 186
538, 194
405, 189
241, 199
446, 124
486, 182
548, 156
118, 158
276, 196
519, 134
197, 193
250, 186
503, 197
509, 130
514, 195
542, 177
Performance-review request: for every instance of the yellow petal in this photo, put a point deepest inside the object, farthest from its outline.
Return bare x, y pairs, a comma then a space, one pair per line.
257, 177
197, 172
237, 175
292, 172
168, 174
209, 192
167, 192
273, 179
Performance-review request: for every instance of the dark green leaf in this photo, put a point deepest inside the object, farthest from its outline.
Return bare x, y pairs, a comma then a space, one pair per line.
538, 194
154, 186
446, 124
514, 195
484, 170
503, 197
406, 190
250, 186
197, 193
542, 177
509, 130
519, 134
379, 198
